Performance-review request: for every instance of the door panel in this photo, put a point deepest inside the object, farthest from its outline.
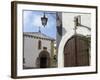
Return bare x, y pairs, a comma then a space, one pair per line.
43, 62
76, 52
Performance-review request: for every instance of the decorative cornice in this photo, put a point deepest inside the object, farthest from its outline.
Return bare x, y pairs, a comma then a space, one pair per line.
36, 37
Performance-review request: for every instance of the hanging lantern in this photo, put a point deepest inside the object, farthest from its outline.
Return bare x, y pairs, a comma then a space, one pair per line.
44, 20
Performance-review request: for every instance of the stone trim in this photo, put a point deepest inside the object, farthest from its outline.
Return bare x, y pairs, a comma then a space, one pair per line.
36, 37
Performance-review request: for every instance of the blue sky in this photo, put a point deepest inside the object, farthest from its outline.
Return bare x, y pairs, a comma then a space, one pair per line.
32, 22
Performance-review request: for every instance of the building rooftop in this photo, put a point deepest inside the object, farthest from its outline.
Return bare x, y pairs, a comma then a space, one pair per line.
39, 35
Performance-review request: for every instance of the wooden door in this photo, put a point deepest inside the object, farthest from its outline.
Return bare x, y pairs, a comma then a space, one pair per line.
44, 59
76, 51
43, 62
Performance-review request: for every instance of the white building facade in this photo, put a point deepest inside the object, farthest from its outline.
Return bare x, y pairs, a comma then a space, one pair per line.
38, 50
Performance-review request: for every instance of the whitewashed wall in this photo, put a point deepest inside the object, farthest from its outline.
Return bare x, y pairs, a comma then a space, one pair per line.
31, 51
68, 27
68, 22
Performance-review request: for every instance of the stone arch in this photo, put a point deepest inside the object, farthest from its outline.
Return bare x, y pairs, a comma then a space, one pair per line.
61, 46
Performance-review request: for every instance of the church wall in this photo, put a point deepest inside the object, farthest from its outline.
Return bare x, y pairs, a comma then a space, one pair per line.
31, 51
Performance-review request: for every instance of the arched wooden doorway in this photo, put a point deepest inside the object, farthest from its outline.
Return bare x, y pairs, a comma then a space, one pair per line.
76, 51
44, 59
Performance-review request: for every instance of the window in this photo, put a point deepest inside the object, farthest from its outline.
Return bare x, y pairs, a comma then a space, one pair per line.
45, 48
39, 44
